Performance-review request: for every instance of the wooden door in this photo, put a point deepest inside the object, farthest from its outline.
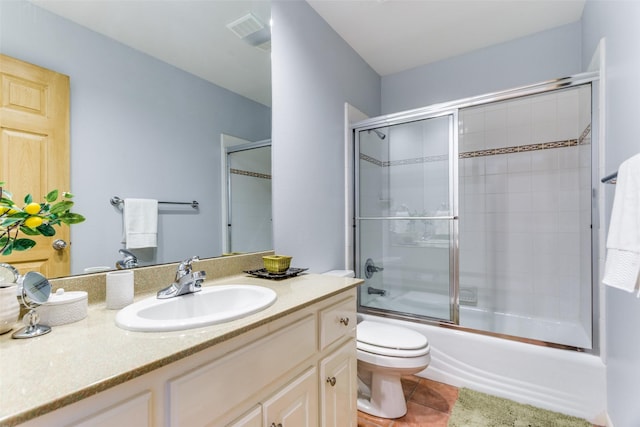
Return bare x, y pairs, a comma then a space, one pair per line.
34, 151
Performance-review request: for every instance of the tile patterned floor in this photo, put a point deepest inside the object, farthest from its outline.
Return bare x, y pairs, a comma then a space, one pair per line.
429, 403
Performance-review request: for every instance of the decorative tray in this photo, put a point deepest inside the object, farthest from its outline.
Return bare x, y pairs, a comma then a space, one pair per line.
264, 274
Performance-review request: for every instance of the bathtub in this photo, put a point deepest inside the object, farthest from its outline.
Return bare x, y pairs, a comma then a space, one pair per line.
565, 381
565, 332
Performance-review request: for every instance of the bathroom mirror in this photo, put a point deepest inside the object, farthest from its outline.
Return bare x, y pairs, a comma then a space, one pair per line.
35, 291
141, 127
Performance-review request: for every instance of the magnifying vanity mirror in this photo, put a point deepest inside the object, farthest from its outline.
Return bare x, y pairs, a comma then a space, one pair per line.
8, 275
35, 291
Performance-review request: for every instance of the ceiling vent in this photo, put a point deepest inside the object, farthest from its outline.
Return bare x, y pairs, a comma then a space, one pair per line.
252, 31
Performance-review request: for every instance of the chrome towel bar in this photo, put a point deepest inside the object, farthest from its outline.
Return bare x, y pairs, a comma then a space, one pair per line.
117, 201
610, 179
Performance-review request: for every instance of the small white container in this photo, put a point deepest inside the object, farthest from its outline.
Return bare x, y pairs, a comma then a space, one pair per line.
9, 308
63, 307
119, 289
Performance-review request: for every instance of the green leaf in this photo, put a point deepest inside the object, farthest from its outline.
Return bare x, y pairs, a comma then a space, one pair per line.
6, 202
23, 244
71, 218
7, 194
8, 249
52, 196
61, 207
28, 199
67, 195
9, 221
29, 231
46, 230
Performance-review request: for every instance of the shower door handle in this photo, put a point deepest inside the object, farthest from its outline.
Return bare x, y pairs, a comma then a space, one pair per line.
370, 268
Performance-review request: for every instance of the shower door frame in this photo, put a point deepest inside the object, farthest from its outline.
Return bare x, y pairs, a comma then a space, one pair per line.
452, 199
441, 109
228, 151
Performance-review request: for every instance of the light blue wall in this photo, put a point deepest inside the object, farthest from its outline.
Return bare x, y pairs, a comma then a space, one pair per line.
139, 128
539, 57
314, 73
619, 23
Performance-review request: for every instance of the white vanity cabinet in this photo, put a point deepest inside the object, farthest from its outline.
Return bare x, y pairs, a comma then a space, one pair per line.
295, 371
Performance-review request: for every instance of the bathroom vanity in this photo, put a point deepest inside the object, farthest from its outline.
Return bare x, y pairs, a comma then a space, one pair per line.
292, 364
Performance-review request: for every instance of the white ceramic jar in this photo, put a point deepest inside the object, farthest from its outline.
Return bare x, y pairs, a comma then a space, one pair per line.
9, 308
63, 307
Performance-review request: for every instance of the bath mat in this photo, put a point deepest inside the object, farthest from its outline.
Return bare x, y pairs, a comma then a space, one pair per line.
474, 409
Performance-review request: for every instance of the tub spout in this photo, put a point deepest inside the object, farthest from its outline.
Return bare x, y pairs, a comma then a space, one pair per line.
376, 291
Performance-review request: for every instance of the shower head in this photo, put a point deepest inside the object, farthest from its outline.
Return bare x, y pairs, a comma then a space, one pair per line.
377, 132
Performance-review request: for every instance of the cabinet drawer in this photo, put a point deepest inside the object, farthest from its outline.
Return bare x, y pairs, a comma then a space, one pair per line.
134, 411
337, 321
193, 398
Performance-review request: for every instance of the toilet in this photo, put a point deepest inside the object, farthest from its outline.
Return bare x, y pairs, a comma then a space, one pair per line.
385, 354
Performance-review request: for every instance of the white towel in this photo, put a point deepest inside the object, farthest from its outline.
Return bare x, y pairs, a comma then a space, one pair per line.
140, 223
623, 242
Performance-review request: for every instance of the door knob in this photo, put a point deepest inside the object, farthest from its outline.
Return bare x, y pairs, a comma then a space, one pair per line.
332, 381
59, 244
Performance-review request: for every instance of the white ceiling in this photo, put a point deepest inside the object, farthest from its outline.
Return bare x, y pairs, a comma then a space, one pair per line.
397, 35
390, 35
188, 34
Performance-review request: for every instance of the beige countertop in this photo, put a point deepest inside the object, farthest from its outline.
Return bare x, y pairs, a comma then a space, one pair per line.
74, 361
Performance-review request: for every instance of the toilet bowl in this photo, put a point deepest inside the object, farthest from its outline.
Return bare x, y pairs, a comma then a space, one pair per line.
385, 354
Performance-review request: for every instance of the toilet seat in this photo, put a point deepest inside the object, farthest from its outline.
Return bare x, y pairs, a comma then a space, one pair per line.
388, 340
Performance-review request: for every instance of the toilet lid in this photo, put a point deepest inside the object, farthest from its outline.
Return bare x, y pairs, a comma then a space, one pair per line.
390, 337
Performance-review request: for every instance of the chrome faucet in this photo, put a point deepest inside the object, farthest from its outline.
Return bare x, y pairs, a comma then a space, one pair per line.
186, 281
129, 260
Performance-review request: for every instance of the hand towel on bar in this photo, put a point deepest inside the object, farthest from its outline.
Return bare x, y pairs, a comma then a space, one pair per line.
140, 223
623, 242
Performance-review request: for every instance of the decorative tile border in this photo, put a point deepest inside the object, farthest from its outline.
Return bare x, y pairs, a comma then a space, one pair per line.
371, 160
248, 173
520, 148
417, 160
582, 140
584, 135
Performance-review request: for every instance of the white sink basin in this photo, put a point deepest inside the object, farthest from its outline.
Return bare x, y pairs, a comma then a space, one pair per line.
214, 304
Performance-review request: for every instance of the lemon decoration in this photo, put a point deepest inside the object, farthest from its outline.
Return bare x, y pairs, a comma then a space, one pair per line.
33, 222
32, 208
34, 219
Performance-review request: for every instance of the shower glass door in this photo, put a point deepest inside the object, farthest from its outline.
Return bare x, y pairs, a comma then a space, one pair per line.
249, 226
406, 217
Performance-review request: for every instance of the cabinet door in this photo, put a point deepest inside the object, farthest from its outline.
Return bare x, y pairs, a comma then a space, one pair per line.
339, 387
253, 418
295, 405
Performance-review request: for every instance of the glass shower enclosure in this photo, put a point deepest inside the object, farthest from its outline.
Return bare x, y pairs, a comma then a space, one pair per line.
407, 216
478, 214
249, 225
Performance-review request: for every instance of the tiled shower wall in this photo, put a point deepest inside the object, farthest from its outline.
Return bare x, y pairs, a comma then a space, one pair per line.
525, 205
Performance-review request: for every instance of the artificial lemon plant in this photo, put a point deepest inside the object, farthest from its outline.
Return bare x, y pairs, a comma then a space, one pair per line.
32, 219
